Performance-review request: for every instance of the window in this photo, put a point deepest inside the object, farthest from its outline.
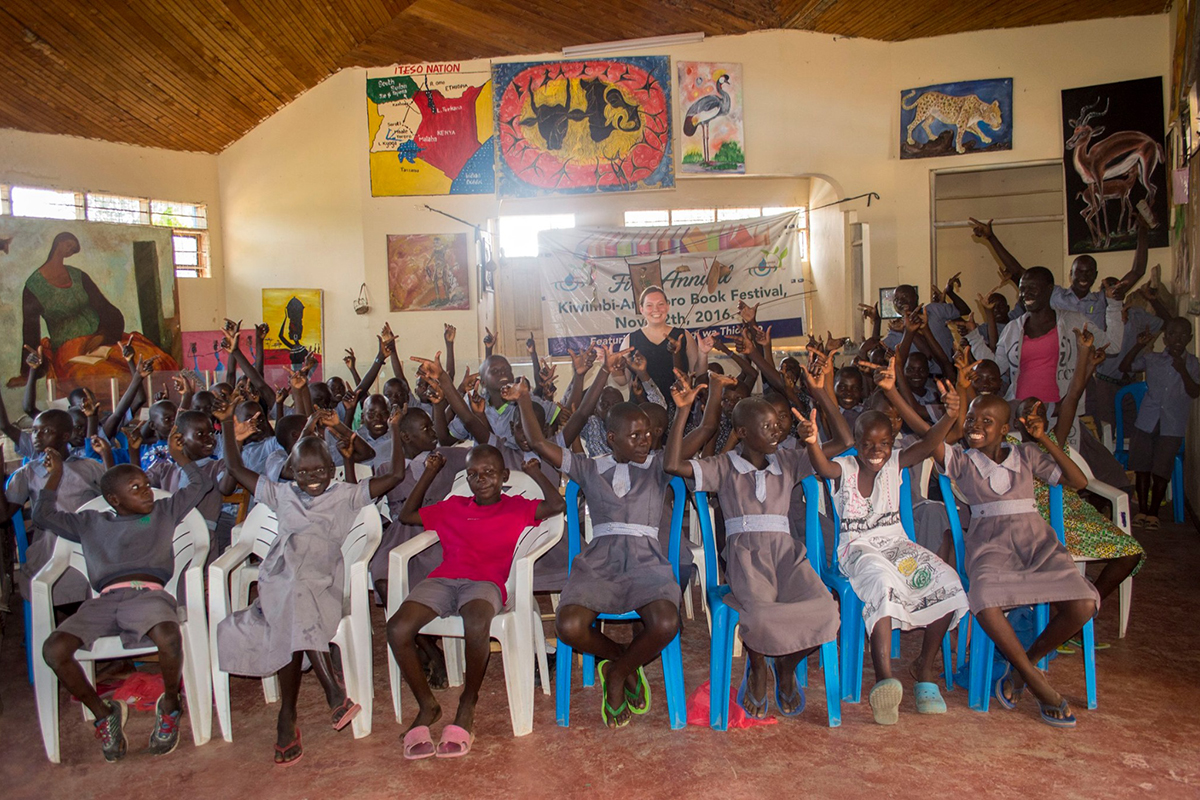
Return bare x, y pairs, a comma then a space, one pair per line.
802, 219
48, 203
113, 208
188, 221
519, 234
658, 218
693, 216
731, 214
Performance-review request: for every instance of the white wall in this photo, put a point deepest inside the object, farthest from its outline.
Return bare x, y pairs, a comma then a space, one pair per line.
297, 209
67, 162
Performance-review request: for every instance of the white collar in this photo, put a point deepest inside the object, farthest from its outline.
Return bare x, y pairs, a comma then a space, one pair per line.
999, 476
606, 462
622, 480
760, 475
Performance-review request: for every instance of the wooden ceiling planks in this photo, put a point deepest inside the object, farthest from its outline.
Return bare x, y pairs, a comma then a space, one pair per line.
199, 74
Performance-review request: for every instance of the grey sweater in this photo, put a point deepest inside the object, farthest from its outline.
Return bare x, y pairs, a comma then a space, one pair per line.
115, 546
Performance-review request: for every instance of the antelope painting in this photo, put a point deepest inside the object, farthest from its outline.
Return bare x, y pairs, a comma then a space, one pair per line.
1110, 168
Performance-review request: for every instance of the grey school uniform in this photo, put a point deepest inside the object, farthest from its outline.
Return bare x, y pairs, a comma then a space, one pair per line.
1163, 417
117, 546
80, 483
499, 419
382, 447
300, 582
254, 454
784, 606
168, 476
624, 567
1013, 556
398, 533
930, 520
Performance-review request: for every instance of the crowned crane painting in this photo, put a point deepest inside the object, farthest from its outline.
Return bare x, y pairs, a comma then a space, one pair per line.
710, 97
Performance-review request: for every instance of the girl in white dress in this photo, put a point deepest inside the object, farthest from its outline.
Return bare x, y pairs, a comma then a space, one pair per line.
901, 584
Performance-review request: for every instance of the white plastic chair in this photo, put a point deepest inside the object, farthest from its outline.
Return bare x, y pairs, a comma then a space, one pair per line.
696, 544
518, 627
191, 549
231, 576
1120, 517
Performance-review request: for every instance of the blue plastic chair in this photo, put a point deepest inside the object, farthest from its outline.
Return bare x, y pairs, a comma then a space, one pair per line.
1138, 391
853, 632
725, 619
18, 522
979, 686
672, 655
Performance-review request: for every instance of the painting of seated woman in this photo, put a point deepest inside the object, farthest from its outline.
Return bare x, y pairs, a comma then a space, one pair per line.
84, 290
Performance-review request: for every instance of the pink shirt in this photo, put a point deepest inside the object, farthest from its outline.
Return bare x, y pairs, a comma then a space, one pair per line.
479, 542
1037, 376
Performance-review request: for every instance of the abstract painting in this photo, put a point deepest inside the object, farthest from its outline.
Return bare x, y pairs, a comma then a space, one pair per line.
949, 119
81, 290
430, 130
1113, 161
581, 127
295, 325
428, 271
710, 117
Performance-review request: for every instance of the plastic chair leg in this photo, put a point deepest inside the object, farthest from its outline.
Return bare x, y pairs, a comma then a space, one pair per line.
1089, 662
964, 634
895, 642
1177, 490
688, 606
721, 665
672, 663
589, 669
833, 700
1125, 593
982, 652
221, 698
853, 641
947, 662
28, 615
562, 683
1041, 620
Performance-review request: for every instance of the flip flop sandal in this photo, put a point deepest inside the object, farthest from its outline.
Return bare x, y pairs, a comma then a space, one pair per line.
1065, 719
929, 698
281, 752
607, 713
885, 700
418, 744
456, 742
779, 698
744, 690
1152, 523
998, 690
640, 695
1077, 643
344, 714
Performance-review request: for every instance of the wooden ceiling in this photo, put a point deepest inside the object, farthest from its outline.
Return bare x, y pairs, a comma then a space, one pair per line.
198, 74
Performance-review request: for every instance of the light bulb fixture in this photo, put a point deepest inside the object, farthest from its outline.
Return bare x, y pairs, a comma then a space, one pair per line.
648, 43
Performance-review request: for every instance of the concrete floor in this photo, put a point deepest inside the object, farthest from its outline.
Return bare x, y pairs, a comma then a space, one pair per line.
1142, 741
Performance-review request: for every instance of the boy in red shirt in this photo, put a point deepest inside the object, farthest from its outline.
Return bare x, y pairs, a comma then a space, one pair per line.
479, 536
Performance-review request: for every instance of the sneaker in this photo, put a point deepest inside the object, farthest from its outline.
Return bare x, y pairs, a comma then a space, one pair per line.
111, 731
165, 737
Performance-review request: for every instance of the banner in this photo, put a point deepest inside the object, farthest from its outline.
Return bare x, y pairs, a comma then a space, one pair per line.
591, 278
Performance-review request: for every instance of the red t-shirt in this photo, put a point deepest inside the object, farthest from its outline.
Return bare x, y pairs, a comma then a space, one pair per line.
479, 542
1038, 375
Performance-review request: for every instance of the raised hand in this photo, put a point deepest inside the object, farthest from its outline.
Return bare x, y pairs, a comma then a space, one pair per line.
954, 284
636, 362
915, 320
281, 394
133, 435
950, 398
228, 341
515, 390
434, 462
478, 403
1146, 338
870, 312
145, 367
260, 331
531, 467
806, 428
88, 406
1085, 338
101, 446
718, 379
434, 394
966, 325
244, 430
310, 363
674, 344
981, 230
349, 359
449, 332
614, 359
935, 294
683, 392
127, 351
346, 446
749, 314
762, 336
222, 411
431, 368
395, 414
175, 445
1034, 422
547, 371
36, 358
232, 327
52, 460
706, 342
582, 360
1098, 356
469, 382
386, 334
489, 338
531, 344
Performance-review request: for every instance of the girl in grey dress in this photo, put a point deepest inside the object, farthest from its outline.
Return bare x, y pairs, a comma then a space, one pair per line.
300, 581
785, 610
1013, 556
624, 568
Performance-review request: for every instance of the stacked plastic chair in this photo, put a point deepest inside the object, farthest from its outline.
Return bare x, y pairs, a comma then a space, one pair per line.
725, 619
853, 631
672, 656
1138, 391
979, 686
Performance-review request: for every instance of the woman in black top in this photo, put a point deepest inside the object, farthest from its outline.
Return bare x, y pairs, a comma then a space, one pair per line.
651, 341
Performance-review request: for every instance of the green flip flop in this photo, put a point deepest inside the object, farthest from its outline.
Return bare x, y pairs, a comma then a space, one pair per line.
639, 699
607, 713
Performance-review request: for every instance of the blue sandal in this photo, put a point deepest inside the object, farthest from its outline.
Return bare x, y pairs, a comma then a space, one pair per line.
744, 689
1065, 719
998, 690
779, 699
929, 698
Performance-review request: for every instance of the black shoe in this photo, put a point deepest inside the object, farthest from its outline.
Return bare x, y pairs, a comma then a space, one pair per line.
165, 737
111, 731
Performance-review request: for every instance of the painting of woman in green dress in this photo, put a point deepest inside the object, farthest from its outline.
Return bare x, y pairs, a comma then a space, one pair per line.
85, 331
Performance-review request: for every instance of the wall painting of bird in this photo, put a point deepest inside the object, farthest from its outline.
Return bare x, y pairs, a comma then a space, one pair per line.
710, 104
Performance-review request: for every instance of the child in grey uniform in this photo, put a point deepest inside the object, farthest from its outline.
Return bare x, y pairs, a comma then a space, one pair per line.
786, 612
1013, 556
129, 552
300, 581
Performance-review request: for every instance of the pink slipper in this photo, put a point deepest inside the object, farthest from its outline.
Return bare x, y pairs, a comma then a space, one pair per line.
344, 714
418, 744
456, 742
